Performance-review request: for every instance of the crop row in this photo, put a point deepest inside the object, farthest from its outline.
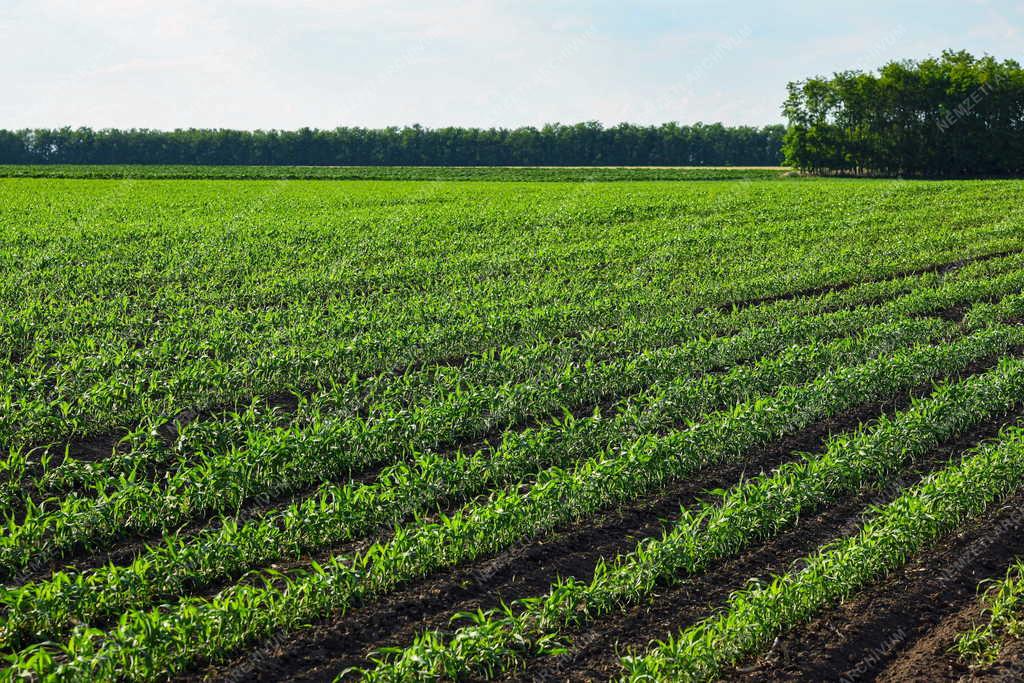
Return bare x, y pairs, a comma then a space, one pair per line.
151, 643
913, 522
648, 327
749, 512
507, 363
337, 513
385, 397
285, 460
373, 383
91, 360
341, 513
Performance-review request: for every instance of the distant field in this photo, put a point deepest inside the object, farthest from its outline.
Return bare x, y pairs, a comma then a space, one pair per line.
490, 173
260, 431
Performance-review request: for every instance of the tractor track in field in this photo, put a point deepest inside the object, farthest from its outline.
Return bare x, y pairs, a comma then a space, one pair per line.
335, 644
898, 629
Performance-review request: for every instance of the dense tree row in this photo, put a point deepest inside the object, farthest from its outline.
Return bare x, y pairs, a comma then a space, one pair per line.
955, 115
580, 144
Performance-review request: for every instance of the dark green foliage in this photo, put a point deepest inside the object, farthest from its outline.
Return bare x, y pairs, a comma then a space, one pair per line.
951, 116
582, 144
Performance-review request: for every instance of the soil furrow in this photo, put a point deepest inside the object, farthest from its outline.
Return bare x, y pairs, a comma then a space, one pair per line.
942, 268
895, 629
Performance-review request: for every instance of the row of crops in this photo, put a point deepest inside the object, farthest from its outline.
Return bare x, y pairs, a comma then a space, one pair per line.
417, 431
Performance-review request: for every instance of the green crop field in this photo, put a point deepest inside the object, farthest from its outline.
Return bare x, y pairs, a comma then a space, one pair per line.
435, 424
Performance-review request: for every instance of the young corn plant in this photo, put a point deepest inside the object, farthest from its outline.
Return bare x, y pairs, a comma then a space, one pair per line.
1004, 607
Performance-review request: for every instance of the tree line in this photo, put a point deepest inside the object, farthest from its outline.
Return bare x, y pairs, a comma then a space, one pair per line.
583, 144
950, 116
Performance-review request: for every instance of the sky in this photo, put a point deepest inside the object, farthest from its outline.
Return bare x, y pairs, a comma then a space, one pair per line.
280, 64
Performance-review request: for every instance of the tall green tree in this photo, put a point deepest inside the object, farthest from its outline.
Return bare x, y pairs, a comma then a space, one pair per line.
951, 116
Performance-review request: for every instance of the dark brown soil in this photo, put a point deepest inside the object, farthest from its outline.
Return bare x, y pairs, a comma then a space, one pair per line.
595, 652
334, 645
899, 629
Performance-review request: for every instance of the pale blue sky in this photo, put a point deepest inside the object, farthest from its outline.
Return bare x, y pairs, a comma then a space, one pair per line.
323, 63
